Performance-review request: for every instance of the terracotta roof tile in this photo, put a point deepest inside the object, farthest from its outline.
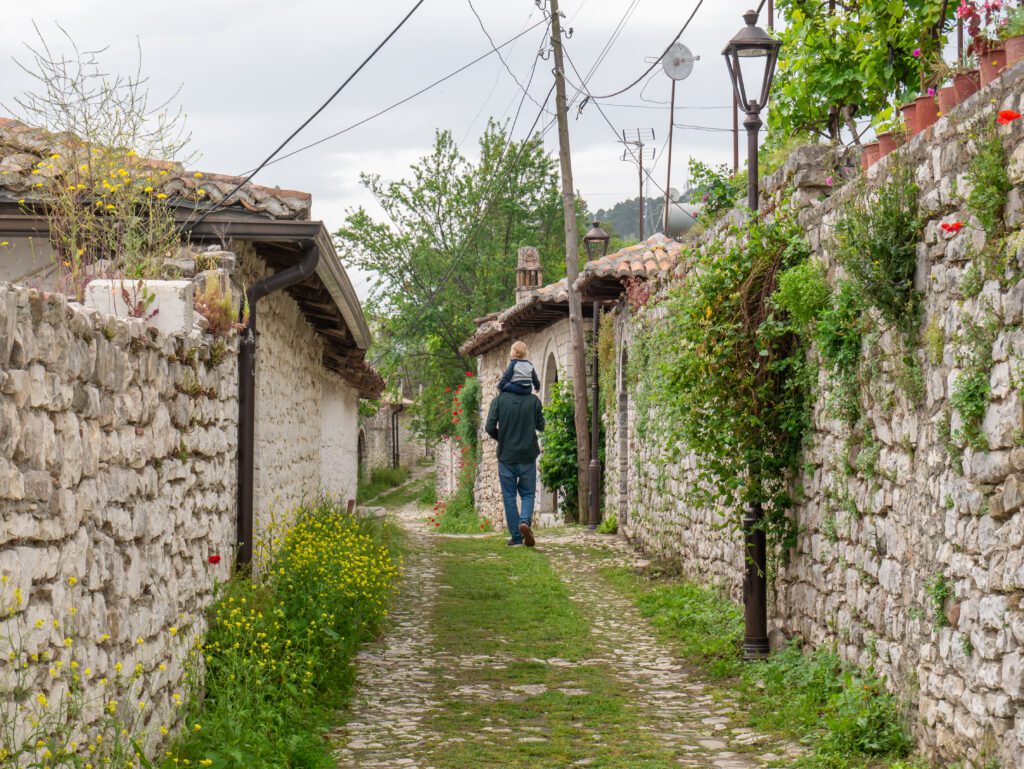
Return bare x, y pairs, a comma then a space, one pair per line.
656, 255
23, 146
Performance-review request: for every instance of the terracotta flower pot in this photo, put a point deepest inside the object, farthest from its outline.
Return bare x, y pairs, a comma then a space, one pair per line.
910, 117
947, 99
1014, 50
927, 112
966, 84
886, 144
868, 155
993, 62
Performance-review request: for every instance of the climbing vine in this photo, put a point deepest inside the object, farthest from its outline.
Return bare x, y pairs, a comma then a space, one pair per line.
557, 467
729, 380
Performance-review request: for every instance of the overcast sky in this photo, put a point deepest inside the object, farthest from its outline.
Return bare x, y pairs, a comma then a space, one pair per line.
252, 70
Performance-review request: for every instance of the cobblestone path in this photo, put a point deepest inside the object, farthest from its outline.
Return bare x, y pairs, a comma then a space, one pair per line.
404, 679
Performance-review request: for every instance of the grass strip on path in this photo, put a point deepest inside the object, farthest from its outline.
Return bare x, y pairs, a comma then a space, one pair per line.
519, 690
844, 715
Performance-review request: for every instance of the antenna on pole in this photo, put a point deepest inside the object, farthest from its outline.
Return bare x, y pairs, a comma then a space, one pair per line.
678, 65
638, 138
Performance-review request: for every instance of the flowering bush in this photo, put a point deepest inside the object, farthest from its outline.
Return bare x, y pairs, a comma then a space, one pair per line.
457, 515
279, 649
57, 711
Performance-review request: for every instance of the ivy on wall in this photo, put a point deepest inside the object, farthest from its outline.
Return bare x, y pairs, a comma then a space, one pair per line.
723, 372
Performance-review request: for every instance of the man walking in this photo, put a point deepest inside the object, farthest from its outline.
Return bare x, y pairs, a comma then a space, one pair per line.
513, 421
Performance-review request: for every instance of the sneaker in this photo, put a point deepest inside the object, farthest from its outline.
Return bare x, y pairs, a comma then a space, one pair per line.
513, 543
527, 532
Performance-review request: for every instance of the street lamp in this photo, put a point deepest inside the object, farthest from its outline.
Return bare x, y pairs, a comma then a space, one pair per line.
753, 52
596, 244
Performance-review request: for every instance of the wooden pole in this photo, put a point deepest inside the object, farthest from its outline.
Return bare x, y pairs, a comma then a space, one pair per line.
579, 361
668, 181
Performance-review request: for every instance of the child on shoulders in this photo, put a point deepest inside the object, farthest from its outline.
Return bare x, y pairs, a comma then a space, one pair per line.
520, 376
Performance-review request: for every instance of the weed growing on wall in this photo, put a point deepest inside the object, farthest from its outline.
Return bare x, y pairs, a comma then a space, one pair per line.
56, 711
972, 387
876, 243
990, 182
279, 650
723, 372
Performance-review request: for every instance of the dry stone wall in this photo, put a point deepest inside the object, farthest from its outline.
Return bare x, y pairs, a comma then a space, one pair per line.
117, 485
910, 556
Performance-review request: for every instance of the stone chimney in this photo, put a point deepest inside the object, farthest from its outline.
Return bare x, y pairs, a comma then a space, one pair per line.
528, 274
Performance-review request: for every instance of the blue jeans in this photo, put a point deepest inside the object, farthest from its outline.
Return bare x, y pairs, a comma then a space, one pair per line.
518, 478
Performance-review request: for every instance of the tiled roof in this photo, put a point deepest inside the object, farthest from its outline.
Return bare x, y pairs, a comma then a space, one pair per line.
22, 147
545, 305
656, 256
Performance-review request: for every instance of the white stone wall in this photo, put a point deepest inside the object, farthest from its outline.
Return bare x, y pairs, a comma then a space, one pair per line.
550, 351
447, 455
117, 485
873, 539
340, 416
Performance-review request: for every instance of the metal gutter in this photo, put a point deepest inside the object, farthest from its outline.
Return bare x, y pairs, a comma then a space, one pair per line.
247, 392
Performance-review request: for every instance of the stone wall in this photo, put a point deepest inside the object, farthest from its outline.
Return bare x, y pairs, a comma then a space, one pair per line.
117, 484
446, 467
339, 413
876, 534
379, 439
551, 353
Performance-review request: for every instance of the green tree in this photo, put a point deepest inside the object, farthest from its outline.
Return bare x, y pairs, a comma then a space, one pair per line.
445, 253
844, 61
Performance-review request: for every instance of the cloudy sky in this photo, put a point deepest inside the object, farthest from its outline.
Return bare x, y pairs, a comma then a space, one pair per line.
251, 70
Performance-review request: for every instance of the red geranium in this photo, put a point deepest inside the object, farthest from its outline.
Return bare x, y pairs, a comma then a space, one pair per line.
1007, 116
214, 559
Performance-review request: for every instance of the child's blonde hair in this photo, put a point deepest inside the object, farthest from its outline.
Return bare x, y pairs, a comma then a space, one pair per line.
519, 350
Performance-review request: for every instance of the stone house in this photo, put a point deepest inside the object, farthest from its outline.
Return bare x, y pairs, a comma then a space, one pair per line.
387, 438
136, 459
540, 318
911, 561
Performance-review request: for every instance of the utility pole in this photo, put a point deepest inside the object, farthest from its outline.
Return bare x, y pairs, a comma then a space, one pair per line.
572, 270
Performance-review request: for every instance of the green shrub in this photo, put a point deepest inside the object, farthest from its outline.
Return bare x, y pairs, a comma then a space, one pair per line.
804, 292
609, 525
716, 188
876, 243
558, 464
971, 281
279, 651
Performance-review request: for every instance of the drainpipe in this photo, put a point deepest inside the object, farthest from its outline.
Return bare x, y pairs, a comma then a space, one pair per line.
247, 391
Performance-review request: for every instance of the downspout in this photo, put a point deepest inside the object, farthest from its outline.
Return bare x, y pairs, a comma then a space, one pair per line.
247, 391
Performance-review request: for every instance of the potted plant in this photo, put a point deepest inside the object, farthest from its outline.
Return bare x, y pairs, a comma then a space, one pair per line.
954, 82
983, 25
869, 154
889, 131
1013, 35
926, 112
966, 80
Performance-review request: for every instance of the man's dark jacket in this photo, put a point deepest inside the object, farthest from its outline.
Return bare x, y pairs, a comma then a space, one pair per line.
513, 421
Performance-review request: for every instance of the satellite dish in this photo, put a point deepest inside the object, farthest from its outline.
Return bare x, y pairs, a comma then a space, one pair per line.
678, 62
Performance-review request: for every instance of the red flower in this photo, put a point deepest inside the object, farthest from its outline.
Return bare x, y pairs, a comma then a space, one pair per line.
214, 559
447, 389
1007, 116
469, 374
952, 227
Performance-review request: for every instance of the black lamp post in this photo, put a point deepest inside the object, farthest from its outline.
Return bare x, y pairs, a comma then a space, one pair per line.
596, 244
756, 51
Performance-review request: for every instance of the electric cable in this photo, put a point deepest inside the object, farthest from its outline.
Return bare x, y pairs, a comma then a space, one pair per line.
312, 117
494, 47
400, 102
653, 65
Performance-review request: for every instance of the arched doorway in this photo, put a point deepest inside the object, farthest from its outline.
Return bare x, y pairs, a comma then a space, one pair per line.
623, 430
547, 501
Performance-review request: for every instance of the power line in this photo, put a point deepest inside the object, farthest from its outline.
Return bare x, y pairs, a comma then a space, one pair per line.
656, 62
494, 47
312, 117
400, 102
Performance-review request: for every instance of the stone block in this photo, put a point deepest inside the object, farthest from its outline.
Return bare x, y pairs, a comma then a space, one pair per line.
167, 305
